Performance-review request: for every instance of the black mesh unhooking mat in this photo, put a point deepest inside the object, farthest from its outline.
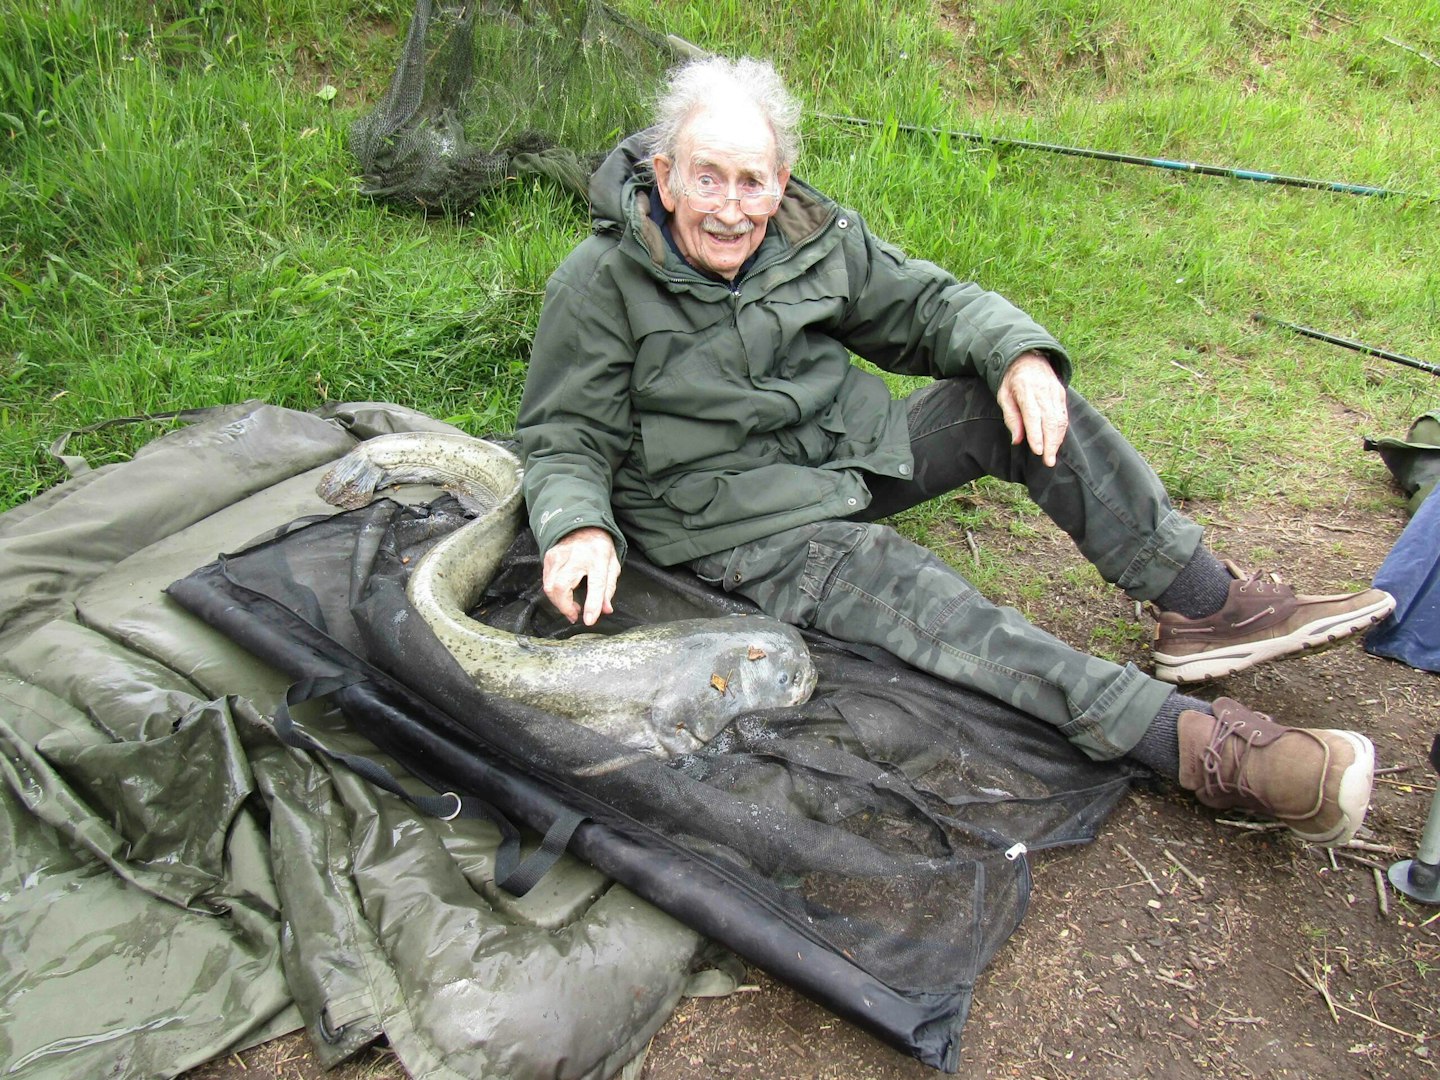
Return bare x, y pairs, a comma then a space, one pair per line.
866, 847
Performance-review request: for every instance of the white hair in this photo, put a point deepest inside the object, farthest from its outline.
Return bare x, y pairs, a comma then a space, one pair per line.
718, 80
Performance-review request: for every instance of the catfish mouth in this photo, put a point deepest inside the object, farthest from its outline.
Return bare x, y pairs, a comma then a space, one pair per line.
804, 682
792, 684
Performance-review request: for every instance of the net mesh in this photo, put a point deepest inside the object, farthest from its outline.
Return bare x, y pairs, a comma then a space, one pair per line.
873, 824
488, 90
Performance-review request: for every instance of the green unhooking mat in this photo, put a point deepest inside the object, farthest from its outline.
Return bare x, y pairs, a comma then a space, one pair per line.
200, 884
174, 881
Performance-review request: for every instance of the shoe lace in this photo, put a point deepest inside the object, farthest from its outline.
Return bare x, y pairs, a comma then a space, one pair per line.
1254, 584
1213, 759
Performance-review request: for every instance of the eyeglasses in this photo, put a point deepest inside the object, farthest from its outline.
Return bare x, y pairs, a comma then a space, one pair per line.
709, 196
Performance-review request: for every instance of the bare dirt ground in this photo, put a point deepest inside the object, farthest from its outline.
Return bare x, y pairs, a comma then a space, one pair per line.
1177, 945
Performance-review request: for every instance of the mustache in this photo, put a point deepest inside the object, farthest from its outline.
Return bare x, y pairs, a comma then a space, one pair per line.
715, 227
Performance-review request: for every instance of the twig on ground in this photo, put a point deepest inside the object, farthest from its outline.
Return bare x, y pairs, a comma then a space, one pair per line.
1141, 866
1174, 982
1389, 770
1242, 1019
1380, 1023
1251, 826
1198, 882
1382, 898
1117, 888
793, 1029
1320, 988
1327, 13
1314, 982
1365, 845
1405, 784
1361, 859
974, 547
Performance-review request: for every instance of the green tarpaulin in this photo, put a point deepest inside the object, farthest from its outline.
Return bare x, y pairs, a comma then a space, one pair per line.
175, 883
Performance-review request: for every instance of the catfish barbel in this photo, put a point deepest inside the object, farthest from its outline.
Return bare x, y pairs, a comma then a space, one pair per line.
664, 689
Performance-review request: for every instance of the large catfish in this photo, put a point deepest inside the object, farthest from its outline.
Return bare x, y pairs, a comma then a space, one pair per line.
663, 689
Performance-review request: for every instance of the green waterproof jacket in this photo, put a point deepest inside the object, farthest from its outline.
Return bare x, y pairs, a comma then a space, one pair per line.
692, 414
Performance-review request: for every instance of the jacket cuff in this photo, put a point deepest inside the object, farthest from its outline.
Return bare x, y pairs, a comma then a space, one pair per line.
1049, 348
553, 526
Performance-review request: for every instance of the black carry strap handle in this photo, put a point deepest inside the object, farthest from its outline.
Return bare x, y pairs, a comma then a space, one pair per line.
514, 875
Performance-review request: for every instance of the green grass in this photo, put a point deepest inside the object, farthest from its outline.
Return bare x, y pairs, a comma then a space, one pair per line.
180, 224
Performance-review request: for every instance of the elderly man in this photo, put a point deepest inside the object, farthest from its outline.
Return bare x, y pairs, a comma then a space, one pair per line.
691, 390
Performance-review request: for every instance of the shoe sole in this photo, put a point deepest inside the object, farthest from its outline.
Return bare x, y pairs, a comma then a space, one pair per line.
1312, 637
1354, 795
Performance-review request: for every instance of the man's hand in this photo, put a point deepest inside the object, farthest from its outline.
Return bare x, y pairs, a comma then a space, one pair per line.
584, 555
1032, 401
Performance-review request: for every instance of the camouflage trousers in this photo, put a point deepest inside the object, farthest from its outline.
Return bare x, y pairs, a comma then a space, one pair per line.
862, 582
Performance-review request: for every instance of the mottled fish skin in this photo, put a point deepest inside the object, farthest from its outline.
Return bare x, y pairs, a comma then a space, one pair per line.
480, 480
662, 689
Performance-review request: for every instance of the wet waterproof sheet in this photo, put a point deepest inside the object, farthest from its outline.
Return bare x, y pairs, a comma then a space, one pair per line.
176, 883
205, 885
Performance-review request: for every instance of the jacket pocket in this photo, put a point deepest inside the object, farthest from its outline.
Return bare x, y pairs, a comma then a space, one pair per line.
712, 499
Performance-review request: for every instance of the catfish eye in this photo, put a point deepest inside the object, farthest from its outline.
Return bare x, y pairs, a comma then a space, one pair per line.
784, 677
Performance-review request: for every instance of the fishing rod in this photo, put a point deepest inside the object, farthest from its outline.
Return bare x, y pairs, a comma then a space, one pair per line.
1133, 159
1320, 335
688, 50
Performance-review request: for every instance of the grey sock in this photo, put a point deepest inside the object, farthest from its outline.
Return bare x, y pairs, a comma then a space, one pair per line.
1200, 589
1159, 747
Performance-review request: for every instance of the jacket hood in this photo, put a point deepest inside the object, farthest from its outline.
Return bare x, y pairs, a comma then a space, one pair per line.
613, 184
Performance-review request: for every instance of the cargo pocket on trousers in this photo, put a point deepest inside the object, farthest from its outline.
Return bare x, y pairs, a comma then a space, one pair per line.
825, 556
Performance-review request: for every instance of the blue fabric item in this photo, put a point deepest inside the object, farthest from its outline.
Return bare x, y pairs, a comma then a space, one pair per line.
1411, 573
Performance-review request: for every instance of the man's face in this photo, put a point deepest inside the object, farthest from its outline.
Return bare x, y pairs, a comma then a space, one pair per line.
730, 150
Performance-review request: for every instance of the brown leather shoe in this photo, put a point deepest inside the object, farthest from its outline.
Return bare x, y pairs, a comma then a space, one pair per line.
1260, 621
1316, 782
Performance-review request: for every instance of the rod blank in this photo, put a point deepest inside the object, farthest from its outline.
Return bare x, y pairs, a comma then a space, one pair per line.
1134, 159
1349, 343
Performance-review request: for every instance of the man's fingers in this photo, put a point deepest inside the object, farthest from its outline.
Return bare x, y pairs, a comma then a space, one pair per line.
1010, 413
599, 591
1056, 424
1058, 432
587, 555
593, 602
1045, 428
1036, 433
1032, 403
561, 593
